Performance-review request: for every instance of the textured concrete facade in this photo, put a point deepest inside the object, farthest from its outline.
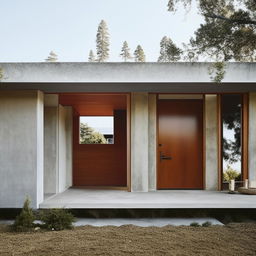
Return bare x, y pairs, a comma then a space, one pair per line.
211, 143
152, 134
21, 148
252, 136
179, 72
139, 142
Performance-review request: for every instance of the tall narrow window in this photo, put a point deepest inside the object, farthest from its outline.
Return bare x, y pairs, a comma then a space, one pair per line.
232, 134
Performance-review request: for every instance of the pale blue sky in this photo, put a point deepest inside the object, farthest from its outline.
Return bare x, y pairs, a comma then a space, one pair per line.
30, 29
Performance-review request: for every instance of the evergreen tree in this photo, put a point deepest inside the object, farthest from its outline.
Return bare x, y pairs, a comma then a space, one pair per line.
89, 136
169, 51
53, 57
139, 54
125, 52
228, 32
91, 56
102, 42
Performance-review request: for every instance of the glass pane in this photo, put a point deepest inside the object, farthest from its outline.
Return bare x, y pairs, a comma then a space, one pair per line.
96, 130
231, 137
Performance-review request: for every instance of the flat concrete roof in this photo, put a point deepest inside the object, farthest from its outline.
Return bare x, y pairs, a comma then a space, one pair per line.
162, 199
120, 72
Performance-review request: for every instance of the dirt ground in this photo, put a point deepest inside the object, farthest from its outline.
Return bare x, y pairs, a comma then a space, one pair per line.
233, 239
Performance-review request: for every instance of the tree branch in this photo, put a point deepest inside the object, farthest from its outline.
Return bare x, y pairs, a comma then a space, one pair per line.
239, 21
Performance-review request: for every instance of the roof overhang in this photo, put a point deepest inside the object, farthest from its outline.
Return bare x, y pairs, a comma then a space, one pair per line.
126, 77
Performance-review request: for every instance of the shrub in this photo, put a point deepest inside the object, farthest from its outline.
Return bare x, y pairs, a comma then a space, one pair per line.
24, 221
231, 174
57, 219
206, 224
194, 224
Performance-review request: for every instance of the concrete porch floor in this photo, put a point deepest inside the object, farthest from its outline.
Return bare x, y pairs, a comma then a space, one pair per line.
77, 198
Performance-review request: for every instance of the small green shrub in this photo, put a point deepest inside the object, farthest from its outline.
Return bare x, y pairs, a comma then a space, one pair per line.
57, 219
194, 224
206, 224
24, 221
231, 174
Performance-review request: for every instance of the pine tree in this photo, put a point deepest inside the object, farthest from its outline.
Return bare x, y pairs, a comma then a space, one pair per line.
91, 56
53, 57
174, 53
169, 51
139, 54
125, 52
102, 42
164, 44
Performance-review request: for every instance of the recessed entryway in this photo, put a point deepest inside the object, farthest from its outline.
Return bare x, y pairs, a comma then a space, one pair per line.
100, 139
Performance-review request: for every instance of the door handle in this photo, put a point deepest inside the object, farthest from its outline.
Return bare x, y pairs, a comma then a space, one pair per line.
163, 157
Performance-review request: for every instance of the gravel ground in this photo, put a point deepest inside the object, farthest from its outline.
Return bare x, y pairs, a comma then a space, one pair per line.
232, 239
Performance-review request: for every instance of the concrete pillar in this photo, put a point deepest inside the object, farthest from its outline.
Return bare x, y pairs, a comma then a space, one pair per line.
51, 103
58, 145
21, 148
65, 148
211, 143
252, 136
152, 133
139, 142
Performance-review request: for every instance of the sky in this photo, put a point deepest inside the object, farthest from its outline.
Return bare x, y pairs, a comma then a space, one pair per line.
102, 124
30, 29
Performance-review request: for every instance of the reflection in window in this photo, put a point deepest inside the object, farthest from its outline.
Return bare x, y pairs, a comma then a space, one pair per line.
231, 117
96, 130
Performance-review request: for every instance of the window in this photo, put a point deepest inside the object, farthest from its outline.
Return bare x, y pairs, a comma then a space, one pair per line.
96, 130
231, 138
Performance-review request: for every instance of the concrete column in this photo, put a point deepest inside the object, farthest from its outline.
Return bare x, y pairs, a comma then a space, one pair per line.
21, 148
211, 145
139, 142
252, 136
152, 133
65, 148
50, 143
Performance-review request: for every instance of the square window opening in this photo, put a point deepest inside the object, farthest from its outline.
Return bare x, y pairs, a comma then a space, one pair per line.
96, 130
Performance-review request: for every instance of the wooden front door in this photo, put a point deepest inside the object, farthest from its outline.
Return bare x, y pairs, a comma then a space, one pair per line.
180, 144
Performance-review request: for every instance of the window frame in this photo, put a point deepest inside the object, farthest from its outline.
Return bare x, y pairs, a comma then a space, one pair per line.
244, 138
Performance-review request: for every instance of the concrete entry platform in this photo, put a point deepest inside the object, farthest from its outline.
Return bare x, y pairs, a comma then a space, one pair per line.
77, 198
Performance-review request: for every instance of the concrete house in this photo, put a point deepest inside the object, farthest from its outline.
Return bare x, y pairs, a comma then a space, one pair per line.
165, 128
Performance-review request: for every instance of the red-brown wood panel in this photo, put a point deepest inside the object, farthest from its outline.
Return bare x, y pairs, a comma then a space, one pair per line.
101, 164
180, 143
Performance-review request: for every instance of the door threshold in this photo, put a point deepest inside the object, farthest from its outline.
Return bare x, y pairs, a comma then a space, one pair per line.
102, 187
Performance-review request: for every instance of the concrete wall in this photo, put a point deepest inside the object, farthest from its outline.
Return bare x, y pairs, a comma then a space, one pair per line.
50, 143
139, 142
252, 136
152, 134
21, 148
211, 143
65, 147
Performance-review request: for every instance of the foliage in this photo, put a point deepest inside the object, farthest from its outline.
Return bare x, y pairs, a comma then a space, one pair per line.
231, 174
229, 31
53, 57
89, 136
232, 121
24, 221
125, 52
139, 55
169, 51
102, 42
1, 74
57, 219
194, 224
206, 224
91, 57
217, 72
